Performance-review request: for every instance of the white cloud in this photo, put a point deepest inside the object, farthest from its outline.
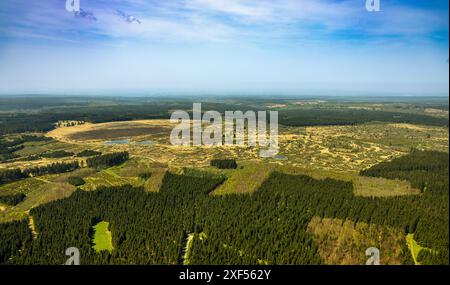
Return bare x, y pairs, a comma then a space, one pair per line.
222, 20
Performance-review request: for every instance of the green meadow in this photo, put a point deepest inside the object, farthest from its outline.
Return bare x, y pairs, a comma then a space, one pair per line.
102, 237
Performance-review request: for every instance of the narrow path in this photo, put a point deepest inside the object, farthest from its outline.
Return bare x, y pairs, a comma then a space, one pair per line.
187, 248
42, 179
32, 227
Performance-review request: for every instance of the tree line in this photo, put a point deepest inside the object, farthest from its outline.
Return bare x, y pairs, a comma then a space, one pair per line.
107, 160
13, 199
64, 109
57, 154
338, 117
224, 163
8, 146
14, 236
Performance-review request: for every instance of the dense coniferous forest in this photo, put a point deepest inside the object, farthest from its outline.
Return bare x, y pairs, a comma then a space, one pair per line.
289, 202
11, 175
421, 168
107, 160
337, 117
46, 111
57, 154
428, 171
266, 227
58, 167
76, 181
12, 200
15, 236
224, 163
147, 228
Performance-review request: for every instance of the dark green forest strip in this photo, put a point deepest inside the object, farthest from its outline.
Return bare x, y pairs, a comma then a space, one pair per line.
134, 109
11, 175
14, 236
12, 200
105, 160
337, 117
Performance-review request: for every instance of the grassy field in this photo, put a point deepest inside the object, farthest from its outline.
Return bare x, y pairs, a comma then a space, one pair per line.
102, 237
246, 179
107, 178
250, 175
381, 187
155, 130
341, 149
153, 184
47, 188
38, 191
345, 242
333, 148
352, 148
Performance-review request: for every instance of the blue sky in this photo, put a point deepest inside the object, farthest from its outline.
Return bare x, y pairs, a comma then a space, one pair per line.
298, 46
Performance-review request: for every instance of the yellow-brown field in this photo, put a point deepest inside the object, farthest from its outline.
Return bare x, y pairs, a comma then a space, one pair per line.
344, 242
338, 152
98, 133
335, 148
